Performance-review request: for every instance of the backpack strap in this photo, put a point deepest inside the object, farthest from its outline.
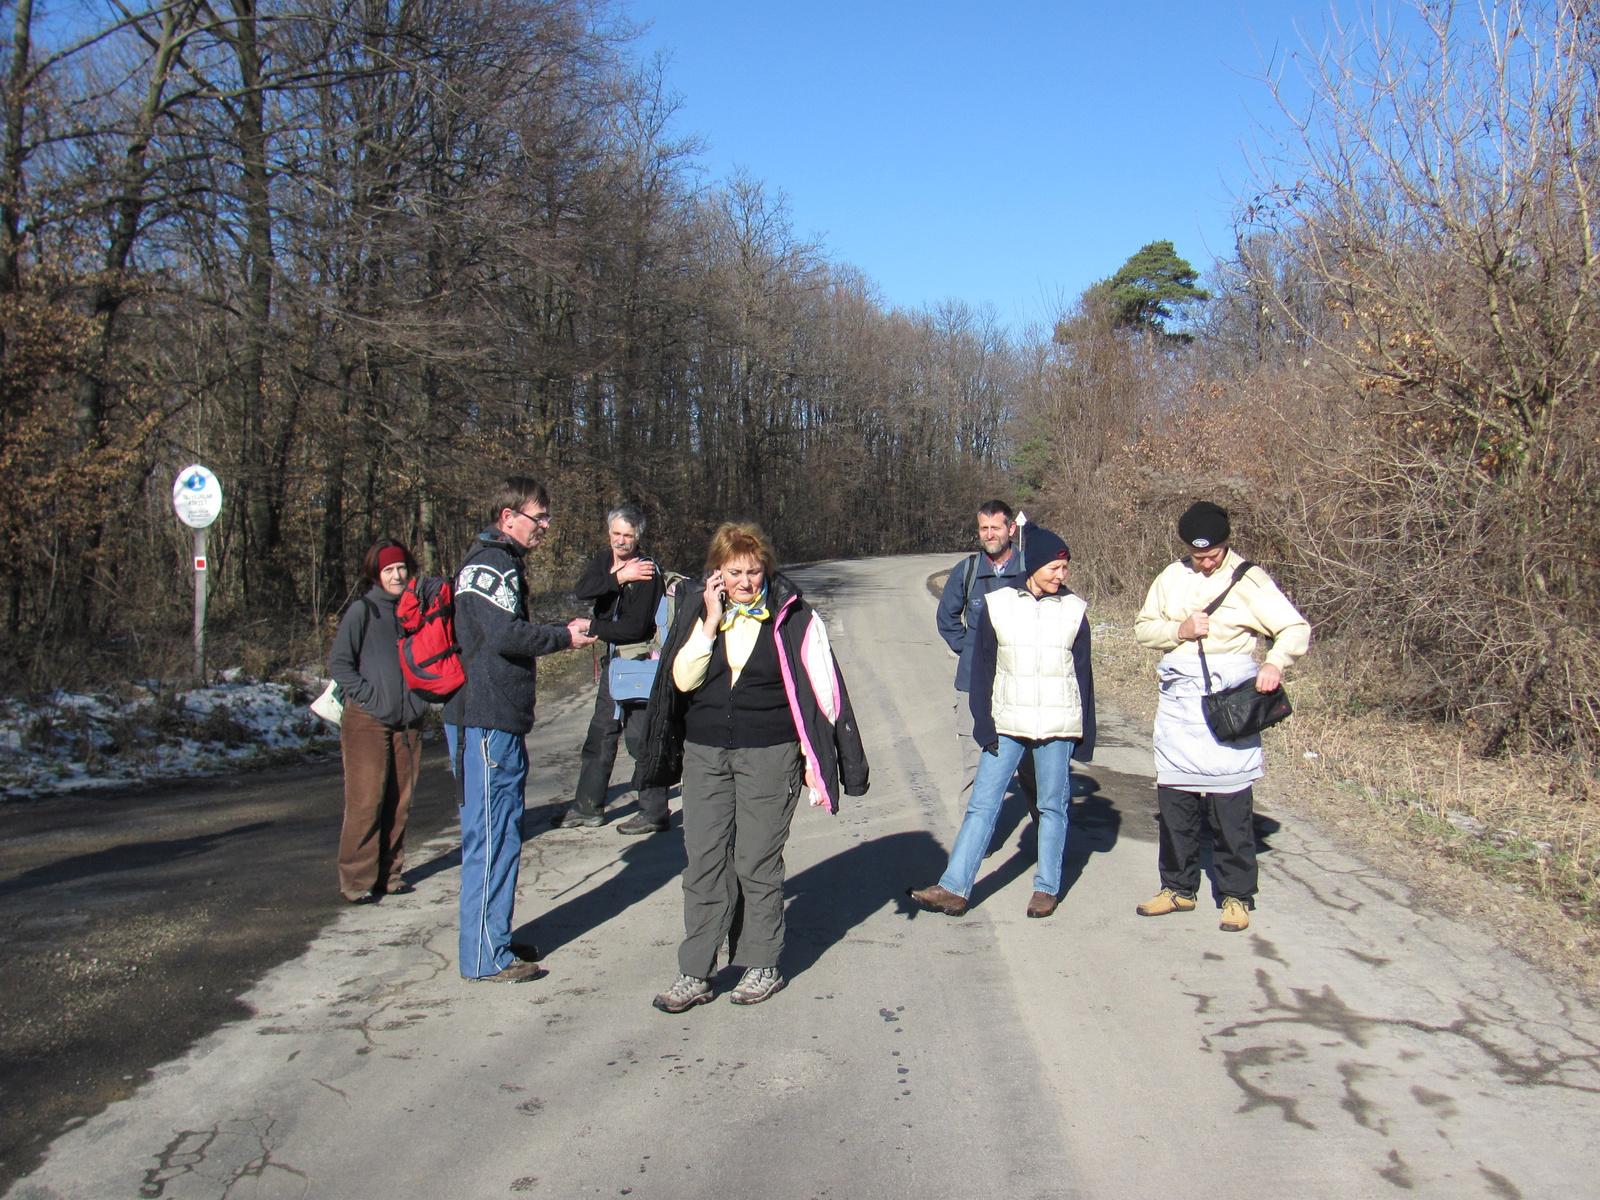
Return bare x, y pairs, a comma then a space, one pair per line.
371, 610
972, 577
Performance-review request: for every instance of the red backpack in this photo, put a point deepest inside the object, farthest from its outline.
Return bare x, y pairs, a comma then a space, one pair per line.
430, 660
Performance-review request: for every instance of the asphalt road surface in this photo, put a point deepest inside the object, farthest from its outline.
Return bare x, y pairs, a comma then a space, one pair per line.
1350, 1044
131, 922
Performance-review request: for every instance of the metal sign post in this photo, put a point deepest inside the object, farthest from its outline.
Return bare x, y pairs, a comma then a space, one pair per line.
197, 499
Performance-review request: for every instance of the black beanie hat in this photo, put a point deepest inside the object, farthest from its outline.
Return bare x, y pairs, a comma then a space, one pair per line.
1204, 525
1040, 546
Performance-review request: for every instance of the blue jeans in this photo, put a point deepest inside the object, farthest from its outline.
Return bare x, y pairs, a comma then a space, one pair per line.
1052, 764
494, 772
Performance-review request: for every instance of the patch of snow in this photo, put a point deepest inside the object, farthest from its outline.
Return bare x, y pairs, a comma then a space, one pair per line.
72, 741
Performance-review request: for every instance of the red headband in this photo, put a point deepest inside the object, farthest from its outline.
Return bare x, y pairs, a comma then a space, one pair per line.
389, 555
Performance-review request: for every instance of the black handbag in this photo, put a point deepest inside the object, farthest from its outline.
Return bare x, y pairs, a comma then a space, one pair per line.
1239, 711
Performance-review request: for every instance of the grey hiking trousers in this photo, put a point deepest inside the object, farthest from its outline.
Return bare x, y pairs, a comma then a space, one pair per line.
737, 805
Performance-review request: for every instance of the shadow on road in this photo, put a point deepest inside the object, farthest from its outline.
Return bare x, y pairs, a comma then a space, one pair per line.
827, 901
648, 863
137, 856
1094, 822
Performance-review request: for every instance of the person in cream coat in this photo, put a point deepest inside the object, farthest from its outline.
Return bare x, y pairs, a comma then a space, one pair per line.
1199, 779
1032, 689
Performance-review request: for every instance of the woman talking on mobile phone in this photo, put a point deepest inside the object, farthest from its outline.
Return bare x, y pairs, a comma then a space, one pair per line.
751, 713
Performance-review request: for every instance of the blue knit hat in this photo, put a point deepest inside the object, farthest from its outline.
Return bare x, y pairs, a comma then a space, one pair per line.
1039, 547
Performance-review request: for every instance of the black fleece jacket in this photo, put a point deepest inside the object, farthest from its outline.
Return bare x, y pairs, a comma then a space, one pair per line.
498, 642
623, 612
365, 661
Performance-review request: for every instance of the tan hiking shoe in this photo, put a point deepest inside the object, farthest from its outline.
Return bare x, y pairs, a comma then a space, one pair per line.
1165, 901
1235, 916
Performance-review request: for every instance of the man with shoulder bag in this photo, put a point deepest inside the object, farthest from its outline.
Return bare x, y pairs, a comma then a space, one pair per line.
1206, 611
628, 590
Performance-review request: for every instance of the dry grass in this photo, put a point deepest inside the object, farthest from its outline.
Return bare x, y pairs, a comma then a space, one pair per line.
1506, 843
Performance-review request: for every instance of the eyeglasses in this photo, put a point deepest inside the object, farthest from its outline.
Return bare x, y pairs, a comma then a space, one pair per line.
541, 519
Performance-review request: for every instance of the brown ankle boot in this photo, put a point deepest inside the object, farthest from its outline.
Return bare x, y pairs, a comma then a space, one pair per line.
940, 899
1042, 904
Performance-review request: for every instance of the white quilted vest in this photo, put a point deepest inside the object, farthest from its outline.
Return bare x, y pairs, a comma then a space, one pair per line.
1035, 687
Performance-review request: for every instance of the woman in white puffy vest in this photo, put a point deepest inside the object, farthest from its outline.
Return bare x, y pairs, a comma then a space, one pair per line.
1032, 688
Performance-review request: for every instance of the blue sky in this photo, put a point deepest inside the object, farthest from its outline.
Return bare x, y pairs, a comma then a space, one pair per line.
1007, 152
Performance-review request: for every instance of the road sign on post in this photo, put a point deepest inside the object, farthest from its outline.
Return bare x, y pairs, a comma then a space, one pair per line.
197, 499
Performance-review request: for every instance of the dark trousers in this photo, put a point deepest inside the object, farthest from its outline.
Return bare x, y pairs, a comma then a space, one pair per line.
1233, 841
600, 755
737, 805
380, 773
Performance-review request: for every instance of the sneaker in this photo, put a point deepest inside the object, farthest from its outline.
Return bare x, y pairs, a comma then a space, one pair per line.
517, 972
685, 992
638, 824
1166, 901
576, 818
758, 984
939, 899
1235, 916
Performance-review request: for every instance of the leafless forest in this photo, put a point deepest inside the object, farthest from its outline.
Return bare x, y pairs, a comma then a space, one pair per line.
362, 256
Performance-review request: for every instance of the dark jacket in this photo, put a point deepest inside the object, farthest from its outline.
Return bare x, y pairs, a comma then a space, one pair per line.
498, 642
623, 612
365, 662
832, 748
986, 653
750, 713
958, 620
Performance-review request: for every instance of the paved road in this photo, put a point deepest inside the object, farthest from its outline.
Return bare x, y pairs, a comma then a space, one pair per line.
1351, 1044
130, 923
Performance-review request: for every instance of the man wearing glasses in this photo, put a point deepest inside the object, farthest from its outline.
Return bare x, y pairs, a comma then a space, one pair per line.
487, 720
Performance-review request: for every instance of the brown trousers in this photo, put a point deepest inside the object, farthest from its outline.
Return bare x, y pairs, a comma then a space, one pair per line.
380, 773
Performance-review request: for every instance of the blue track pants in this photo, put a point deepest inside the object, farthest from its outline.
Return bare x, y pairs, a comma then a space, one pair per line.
494, 774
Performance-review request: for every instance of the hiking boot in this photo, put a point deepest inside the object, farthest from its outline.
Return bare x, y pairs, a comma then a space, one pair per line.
939, 899
1166, 901
686, 991
576, 818
1042, 904
757, 984
1235, 916
639, 824
517, 972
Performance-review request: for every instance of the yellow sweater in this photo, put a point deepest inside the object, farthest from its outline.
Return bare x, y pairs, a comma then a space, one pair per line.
689, 668
1255, 607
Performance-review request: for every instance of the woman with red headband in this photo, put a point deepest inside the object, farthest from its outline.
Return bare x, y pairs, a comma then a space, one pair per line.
380, 734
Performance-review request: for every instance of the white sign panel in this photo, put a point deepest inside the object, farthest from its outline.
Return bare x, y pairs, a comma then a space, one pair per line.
197, 496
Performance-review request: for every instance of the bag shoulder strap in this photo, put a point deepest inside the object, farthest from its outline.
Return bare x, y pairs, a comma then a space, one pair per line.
1238, 574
